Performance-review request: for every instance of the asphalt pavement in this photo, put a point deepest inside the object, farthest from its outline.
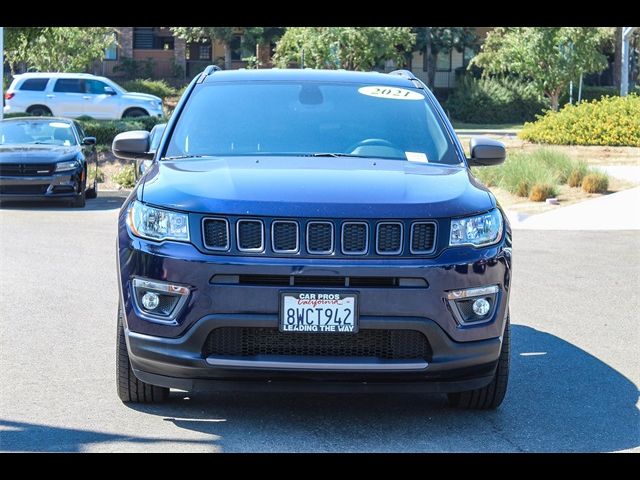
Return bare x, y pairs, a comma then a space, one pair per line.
573, 385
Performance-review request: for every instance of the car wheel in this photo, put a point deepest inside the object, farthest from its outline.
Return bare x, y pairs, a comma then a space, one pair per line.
39, 111
491, 396
130, 389
81, 199
134, 113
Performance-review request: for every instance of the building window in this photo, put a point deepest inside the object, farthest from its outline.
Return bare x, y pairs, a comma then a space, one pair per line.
204, 52
467, 55
443, 61
111, 52
152, 38
239, 48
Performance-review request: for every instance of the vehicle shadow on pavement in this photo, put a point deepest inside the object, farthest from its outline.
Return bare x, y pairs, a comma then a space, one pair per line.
105, 201
560, 398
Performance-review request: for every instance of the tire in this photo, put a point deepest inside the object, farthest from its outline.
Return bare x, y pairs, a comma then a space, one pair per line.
134, 113
491, 396
130, 389
39, 111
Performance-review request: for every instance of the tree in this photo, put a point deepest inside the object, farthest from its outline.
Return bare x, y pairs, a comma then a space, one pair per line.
351, 48
57, 49
549, 57
433, 40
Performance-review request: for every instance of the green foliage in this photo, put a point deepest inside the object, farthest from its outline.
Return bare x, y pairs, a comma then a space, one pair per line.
126, 176
159, 88
132, 69
106, 130
58, 49
577, 175
351, 48
494, 100
595, 182
92, 174
522, 171
613, 121
549, 56
592, 92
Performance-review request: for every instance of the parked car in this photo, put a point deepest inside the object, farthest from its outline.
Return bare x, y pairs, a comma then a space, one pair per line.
304, 229
74, 95
46, 158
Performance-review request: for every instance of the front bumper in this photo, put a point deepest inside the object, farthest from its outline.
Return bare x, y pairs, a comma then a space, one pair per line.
463, 357
62, 185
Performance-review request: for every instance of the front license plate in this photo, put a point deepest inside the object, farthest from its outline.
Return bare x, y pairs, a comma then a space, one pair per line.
334, 312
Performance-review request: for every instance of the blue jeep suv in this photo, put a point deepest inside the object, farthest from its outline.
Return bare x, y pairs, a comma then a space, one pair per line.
312, 230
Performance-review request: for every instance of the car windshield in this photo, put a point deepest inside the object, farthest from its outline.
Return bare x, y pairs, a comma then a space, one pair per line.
310, 119
41, 132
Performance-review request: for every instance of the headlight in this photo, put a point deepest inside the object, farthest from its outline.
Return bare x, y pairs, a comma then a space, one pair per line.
481, 230
157, 224
155, 103
71, 165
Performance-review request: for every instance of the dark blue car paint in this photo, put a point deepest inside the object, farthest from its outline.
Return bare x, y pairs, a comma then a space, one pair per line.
342, 188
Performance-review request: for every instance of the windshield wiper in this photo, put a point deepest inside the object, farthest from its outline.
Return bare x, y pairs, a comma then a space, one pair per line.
180, 157
335, 155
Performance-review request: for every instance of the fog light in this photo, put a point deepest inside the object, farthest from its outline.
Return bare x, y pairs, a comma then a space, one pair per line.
480, 307
150, 301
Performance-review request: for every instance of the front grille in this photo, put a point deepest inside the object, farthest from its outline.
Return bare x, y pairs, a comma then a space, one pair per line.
26, 169
23, 189
423, 235
250, 235
284, 237
319, 281
320, 237
381, 344
216, 233
302, 237
389, 238
355, 238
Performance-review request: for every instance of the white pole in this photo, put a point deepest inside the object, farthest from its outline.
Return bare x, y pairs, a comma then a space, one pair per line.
2, 72
570, 92
580, 89
624, 74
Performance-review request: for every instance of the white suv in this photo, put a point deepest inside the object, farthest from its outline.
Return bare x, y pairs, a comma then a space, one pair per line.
76, 94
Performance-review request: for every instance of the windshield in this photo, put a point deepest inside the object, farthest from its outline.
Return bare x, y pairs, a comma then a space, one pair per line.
310, 118
45, 132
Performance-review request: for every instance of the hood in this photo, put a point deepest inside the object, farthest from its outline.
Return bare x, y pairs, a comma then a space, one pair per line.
314, 187
140, 96
30, 153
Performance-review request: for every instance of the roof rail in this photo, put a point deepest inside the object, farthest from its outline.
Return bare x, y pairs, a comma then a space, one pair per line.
209, 69
408, 74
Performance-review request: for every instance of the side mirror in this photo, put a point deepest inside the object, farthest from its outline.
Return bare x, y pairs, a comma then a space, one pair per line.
89, 141
132, 145
486, 152
109, 91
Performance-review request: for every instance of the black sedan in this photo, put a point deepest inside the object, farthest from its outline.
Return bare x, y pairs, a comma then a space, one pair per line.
46, 158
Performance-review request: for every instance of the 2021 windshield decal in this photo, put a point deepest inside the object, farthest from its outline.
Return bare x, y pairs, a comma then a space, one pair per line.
391, 93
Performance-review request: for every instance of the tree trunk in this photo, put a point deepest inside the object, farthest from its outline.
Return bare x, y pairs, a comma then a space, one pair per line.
617, 59
554, 98
227, 56
431, 66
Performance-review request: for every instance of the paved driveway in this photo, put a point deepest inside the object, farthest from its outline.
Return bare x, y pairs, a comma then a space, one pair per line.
574, 382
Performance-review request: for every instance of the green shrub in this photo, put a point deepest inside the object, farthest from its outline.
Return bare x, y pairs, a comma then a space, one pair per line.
541, 191
159, 88
493, 100
106, 130
91, 174
125, 177
613, 121
595, 182
591, 92
535, 175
